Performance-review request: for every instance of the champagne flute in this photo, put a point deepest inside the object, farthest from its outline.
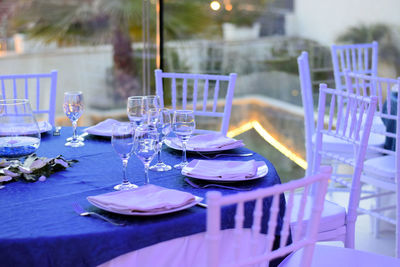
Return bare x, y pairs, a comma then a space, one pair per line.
73, 108
122, 142
161, 118
136, 109
183, 125
146, 146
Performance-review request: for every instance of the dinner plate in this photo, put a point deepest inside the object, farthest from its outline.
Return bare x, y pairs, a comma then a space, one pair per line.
191, 204
262, 170
172, 145
103, 128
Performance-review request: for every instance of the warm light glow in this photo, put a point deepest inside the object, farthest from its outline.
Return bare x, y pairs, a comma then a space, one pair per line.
215, 5
270, 139
228, 7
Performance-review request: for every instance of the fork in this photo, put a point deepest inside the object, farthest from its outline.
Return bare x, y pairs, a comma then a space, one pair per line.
227, 154
187, 180
82, 212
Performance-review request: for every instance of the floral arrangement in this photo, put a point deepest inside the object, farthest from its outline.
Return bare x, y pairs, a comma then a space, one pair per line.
32, 169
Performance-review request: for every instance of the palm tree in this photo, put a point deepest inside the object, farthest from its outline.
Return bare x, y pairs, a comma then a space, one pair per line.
389, 51
103, 21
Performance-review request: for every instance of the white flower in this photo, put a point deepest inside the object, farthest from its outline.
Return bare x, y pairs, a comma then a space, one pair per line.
42, 178
5, 178
61, 162
10, 173
24, 170
37, 164
4, 163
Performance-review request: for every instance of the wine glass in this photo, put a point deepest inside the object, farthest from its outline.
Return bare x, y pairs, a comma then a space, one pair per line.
73, 108
161, 119
146, 146
136, 109
19, 131
183, 125
122, 142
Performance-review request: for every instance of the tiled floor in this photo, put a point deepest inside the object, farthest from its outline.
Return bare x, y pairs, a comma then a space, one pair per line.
366, 240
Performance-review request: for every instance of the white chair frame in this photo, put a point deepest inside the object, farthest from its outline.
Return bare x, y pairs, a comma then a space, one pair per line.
358, 58
353, 115
300, 240
387, 182
202, 107
33, 94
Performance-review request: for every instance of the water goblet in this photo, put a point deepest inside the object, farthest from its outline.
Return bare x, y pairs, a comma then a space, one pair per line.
136, 110
19, 131
122, 142
161, 118
183, 125
73, 109
146, 146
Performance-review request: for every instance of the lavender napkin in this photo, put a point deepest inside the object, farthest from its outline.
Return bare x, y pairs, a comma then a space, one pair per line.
103, 128
224, 169
210, 141
148, 198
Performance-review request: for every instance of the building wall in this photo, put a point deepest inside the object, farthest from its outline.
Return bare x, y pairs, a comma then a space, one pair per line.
324, 20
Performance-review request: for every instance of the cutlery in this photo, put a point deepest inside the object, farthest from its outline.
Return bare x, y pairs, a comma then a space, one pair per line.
203, 205
193, 184
57, 131
227, 154
82, 212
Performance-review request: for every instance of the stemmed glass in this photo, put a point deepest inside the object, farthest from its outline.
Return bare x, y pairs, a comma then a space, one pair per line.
146, 146
73, 108
136, 110
122, 142
161, 119
183, 125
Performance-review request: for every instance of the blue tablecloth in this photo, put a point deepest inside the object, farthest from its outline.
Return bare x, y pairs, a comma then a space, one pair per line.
40, 228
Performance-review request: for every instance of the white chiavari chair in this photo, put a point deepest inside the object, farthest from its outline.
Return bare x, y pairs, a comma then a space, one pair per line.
209, 96
382, 172
40, 89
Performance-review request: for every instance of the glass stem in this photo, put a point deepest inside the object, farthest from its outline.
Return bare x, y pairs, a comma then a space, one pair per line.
184, 160
124, 165
74, 124
146, 173
159, 156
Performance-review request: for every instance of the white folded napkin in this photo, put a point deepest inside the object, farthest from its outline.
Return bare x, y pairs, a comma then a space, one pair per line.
208, 141
224, 169
148, 198
102, 128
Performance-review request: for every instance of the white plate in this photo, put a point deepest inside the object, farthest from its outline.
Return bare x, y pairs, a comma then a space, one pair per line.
172, 145
103, 128
191, 204
262, 170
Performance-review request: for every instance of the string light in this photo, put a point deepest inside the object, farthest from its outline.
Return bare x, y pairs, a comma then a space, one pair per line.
270, 139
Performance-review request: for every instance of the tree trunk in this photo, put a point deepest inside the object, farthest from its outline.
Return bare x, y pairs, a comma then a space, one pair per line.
126, 81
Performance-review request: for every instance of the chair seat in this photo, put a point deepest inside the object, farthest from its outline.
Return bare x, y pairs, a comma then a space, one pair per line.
334, 144
328, 256
381, 167
333, 215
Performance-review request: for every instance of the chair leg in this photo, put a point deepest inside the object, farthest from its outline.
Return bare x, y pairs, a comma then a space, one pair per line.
376, 221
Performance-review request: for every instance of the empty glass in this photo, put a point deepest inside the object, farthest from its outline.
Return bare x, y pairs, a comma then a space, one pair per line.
183, 125
73, 108
122, 141
19, 131
146, 146
161, 119
136, 110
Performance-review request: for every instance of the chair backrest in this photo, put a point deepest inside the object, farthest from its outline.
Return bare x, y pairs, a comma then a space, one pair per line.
348, 117
40, 89
202, 93
358, 58
308, 106
273, 195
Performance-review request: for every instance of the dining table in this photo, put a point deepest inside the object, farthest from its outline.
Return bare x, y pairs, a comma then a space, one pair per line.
40, 228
